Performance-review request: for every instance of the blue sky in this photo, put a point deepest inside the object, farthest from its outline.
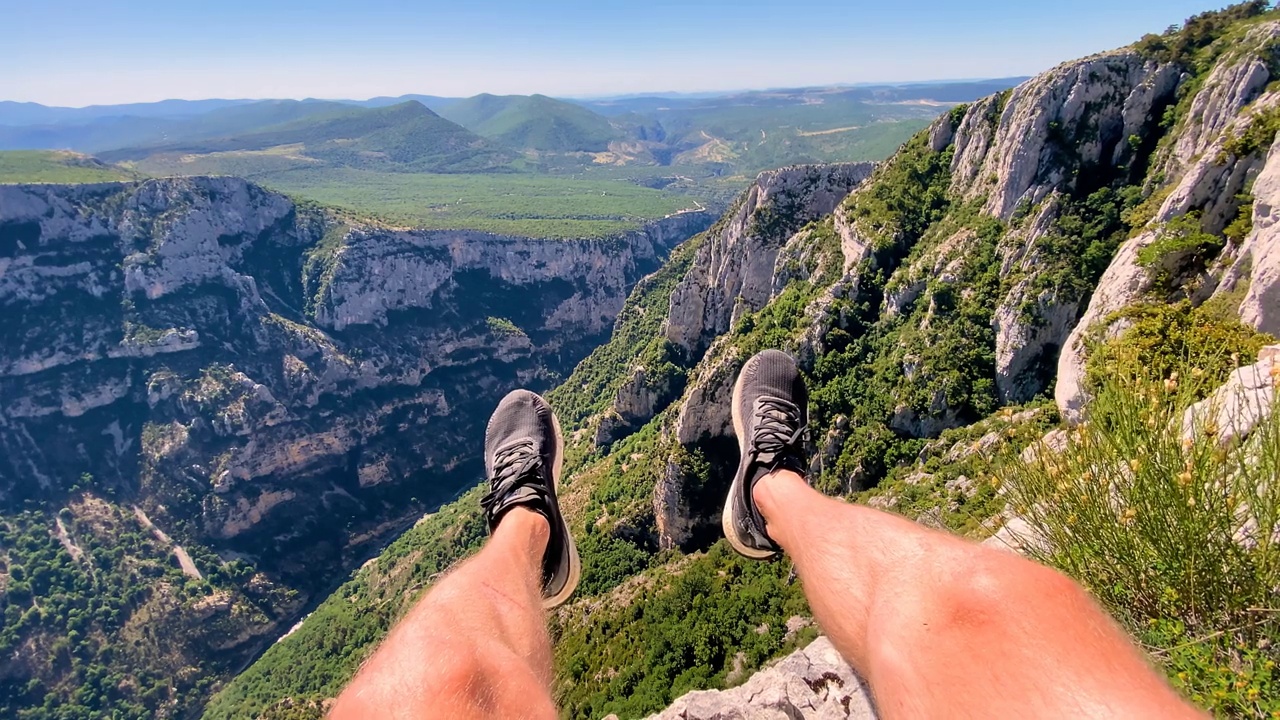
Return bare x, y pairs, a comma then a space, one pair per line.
78, 52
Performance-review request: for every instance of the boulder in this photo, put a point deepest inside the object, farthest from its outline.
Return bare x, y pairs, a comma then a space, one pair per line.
814, 683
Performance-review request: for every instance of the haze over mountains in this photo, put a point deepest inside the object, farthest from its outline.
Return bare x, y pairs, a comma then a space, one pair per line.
575, 168
650, 129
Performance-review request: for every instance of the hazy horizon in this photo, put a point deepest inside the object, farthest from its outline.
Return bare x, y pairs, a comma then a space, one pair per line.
75, 53
691, 94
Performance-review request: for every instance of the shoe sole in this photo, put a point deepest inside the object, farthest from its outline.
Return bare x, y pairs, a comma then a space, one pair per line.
575, 563
729, 518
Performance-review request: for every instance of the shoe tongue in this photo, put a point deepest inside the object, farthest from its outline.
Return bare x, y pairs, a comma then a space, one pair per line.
521, 495
767, 459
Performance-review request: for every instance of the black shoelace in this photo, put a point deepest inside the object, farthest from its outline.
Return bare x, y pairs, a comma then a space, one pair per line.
512, 466
779, 432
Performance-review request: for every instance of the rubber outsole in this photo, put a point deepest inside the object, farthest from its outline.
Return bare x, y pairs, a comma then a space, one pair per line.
729, 518
575, 563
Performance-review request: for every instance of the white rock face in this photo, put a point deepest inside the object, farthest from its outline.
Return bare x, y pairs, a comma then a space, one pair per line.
1123, 283
1021, 154
733, 271
1245, 400
1209, 182
814, 683
1227, 90
1091, 104
1259, 259
217, 219
379, 271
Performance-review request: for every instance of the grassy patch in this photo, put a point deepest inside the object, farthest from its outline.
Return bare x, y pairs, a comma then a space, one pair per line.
526, 205
53, 166
1179, 242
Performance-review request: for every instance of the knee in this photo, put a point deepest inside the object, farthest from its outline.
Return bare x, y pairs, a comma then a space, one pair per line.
985, 592
493, 682
461, 677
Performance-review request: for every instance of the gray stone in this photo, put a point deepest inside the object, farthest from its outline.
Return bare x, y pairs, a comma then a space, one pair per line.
1240, 404
734, 269
814, 683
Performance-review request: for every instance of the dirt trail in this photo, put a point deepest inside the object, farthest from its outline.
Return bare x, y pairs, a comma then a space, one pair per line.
832, 131
184, 559
64, 537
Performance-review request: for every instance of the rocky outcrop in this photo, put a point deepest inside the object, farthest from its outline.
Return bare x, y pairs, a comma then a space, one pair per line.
1077, 115
734, 270
1210, 186
813, 683
1231, 86
1258, 261
639, 399
376, 272
1122, 284
1022, 155
1241, 404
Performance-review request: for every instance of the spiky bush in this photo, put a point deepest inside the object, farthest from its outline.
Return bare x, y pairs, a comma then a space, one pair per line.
1173, 526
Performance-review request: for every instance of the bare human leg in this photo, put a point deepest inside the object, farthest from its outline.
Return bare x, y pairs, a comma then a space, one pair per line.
943, 627
475, 646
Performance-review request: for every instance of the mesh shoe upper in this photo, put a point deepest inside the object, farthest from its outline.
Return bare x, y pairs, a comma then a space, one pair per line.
522, 455
770, 415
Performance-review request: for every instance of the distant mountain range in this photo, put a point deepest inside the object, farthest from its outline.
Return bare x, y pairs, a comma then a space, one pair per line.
407, 135
294, 145
29, 113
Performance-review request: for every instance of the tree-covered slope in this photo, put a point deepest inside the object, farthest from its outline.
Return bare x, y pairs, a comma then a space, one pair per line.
52, 166
406, 136
534, 122
937, 312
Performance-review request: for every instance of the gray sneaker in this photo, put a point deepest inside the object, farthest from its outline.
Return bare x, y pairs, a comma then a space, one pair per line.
770, 416
523, 454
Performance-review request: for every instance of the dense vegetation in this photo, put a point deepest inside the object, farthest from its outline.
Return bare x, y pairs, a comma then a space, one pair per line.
534, 122
1181, 44
88, 599
318, 658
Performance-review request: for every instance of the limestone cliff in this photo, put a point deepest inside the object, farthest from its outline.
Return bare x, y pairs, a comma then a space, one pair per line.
733, 272
274, 383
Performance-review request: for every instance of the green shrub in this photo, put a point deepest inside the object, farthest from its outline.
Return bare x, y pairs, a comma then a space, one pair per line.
1257, 137
1139, 216
1240, 228
1180, 243
1181, 45
1164, 338
504, 327
1152, 524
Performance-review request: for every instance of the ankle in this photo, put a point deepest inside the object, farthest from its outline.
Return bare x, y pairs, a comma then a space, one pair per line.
530, 529
770, 495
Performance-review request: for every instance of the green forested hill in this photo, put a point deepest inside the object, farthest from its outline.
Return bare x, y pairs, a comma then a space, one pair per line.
534, 122
406, 137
